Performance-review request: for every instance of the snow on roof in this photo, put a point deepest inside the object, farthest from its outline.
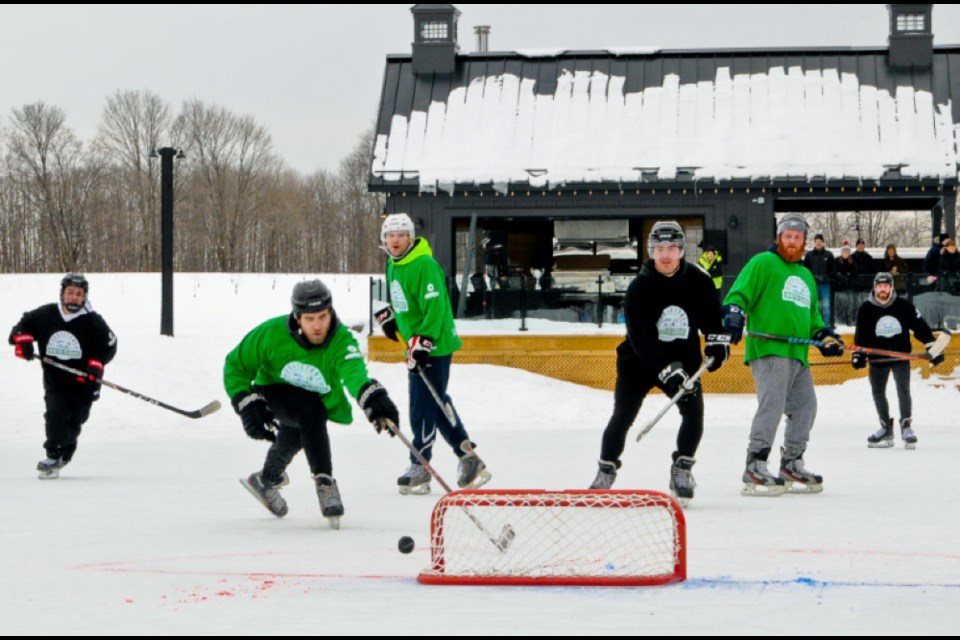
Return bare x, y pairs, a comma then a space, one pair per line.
785, 123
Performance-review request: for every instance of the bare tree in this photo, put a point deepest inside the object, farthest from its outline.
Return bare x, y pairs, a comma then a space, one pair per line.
133, 124
58, 179
361, 210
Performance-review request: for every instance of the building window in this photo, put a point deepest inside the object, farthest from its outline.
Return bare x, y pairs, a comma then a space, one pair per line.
911, 22
434, 31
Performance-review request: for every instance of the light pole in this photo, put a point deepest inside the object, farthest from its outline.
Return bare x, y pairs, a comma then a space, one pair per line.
167, 155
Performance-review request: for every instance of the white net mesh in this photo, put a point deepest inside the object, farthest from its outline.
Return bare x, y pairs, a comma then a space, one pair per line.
585, 537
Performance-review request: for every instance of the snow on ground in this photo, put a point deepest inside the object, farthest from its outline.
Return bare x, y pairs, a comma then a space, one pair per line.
149, 531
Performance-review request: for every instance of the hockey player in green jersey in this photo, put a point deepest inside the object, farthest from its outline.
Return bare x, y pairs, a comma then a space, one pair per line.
777, 295
286, 379
421, 314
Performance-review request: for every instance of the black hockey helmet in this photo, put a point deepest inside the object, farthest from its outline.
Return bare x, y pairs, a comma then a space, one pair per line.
310, 296
666, 232
74, 280
793, 222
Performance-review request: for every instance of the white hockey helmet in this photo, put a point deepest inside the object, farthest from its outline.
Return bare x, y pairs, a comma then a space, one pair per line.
397, 222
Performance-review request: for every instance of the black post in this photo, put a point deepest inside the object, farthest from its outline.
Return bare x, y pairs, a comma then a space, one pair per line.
599, 295
166, 239
523, 305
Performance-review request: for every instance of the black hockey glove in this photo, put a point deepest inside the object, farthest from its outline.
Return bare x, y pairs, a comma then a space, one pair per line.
673, 378
934, 359
23, 346
717, 346
378, 407
858, 360
831, 345
419, 352
733, 321
387, 322
255, 414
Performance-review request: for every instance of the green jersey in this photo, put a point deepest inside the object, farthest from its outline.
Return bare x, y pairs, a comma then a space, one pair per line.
271, 355
420, 300
779, 298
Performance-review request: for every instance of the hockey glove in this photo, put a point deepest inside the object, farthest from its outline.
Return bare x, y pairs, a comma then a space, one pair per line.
831, 346
419, 352
673, 378
717, 346
387, 322
858, 360
733, 321
94, 370
934, 359
23, 346
378, 407
255, 414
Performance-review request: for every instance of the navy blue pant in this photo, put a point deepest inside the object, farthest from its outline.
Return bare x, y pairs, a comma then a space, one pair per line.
426, 416
303, 425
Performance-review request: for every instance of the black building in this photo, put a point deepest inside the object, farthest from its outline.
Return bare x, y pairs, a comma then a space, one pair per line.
722, 140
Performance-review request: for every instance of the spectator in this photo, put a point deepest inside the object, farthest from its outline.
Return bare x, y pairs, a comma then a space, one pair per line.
846, 267
949, 269
893, 263
865, 267
931, 263
821, 265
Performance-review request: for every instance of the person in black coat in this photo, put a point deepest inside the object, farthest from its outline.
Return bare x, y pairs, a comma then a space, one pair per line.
667, 306
884, 321
820, 261
931, 262
73, 334
866, 266
948, 269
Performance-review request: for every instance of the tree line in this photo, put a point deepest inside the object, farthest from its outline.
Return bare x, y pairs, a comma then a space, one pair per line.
68, 204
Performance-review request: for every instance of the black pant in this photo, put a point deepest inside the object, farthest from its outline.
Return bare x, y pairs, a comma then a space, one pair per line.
879, 374
303, 425
66, 412
633, 385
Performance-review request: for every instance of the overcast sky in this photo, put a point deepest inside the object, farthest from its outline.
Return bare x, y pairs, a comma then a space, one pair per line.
312, 73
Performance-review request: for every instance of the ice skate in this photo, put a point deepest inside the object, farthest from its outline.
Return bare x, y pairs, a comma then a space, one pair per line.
49, 469
471, 471
757, 479
268, 495
682, 483
606, 475
415, 481
796, 478
883, 438
907, 434
331, 506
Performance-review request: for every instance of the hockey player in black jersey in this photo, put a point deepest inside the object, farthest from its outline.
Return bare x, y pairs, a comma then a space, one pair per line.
884, 321
667, 306
74, 334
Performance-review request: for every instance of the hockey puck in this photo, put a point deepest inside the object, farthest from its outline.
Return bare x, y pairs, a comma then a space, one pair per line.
405, 544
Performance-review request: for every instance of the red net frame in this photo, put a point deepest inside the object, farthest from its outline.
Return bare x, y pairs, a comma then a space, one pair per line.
573, 537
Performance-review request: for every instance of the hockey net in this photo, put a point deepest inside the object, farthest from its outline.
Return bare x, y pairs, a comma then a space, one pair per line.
626, 538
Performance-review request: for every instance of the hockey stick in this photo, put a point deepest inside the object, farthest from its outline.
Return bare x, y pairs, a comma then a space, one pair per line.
199, 413
846, 347
687, 386
507, 534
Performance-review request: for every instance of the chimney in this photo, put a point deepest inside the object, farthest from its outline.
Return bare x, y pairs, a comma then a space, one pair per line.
435, 45
483, 37
911, 35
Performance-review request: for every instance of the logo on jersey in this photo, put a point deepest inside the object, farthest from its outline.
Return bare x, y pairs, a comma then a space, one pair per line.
431, 292
63, 345
305, 376
795, 290
399, 300
673, 324
352, 353
888, 327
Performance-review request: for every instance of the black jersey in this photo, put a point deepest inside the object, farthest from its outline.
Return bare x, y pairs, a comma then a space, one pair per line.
71, 339
664, 315
888, 327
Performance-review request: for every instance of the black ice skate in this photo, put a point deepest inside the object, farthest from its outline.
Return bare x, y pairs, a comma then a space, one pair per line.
471, 472
414, 481
606, 475
907, 434
796, 478
267, 494
883, 438
757, 479
682, 483
49, 469
331, 506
